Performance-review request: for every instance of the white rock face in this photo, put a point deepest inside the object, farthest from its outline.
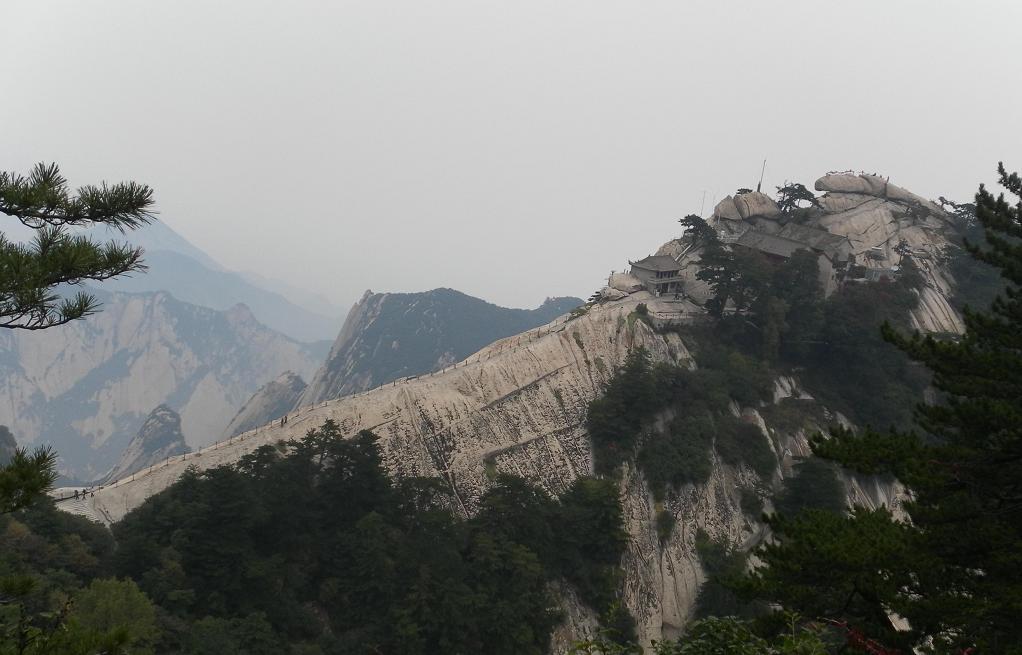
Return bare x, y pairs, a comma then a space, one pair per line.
86, 387
727, 209
756, 204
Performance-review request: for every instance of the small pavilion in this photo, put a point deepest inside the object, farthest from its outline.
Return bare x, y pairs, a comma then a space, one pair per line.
659, 274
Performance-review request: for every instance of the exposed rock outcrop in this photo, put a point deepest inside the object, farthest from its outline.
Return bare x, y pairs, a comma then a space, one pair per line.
275, 399
87, 387
159, 438
519, 406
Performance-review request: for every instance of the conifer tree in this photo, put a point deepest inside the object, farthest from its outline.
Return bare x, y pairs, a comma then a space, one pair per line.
31, 274
954, 572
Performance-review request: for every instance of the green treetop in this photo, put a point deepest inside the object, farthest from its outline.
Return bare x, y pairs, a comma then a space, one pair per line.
31, 273
955, 571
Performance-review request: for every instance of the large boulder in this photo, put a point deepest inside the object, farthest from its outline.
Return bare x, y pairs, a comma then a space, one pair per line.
835, 203
610, 294
726, 209
756, 204
625, 282
898, 194
869, 185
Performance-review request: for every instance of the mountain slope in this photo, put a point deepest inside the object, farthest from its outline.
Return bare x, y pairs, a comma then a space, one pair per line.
86, 387
159, 438
520, 406
275, 399
391, 335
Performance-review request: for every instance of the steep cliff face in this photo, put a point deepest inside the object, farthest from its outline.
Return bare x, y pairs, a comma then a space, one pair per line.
519, 406
390, 335
275, 399
884, 224
159, 438
86, 387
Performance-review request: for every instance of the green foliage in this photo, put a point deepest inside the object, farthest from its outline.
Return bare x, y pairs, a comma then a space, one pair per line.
850, 368
664, 524
739, 441
698, 231
722, 563
615, 420
701, 402
954, 571
30, 274
792, 414
318, 549
794, 196
815, 485
835, 565
679, 457
751, 502
110, 606
26, 477
976, 283
47, 557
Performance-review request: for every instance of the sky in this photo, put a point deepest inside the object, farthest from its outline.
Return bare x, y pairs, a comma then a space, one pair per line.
511, 150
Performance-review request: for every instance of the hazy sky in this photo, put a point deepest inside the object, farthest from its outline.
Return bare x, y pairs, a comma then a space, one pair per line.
512, 150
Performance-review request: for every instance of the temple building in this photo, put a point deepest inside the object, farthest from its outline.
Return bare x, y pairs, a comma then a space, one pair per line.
659, 274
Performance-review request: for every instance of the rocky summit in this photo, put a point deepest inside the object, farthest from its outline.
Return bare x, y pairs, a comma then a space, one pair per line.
519, 405
159, 437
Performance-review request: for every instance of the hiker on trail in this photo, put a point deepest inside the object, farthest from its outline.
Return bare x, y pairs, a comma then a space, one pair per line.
76, 494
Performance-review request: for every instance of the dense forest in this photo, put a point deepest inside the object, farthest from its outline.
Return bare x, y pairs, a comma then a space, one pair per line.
310, 547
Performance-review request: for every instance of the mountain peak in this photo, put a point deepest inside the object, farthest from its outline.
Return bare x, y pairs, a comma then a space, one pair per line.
159, 437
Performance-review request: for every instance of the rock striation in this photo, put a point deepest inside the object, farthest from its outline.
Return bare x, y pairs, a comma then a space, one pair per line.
275, 399
159, 437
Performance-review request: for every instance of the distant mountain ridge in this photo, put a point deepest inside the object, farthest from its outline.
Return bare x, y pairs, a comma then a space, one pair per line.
189, 274
390, 335
87, 387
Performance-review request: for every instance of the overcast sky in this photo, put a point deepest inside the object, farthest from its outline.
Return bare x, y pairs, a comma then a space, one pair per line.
513, 150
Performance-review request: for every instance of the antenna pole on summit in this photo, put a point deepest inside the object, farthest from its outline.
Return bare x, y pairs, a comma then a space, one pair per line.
702, 205
762, 172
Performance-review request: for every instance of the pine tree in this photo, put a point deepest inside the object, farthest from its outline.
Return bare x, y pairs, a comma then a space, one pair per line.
955, 571
31, 275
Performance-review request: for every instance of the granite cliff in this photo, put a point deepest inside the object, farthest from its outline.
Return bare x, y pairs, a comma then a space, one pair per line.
519, 405
87, 387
